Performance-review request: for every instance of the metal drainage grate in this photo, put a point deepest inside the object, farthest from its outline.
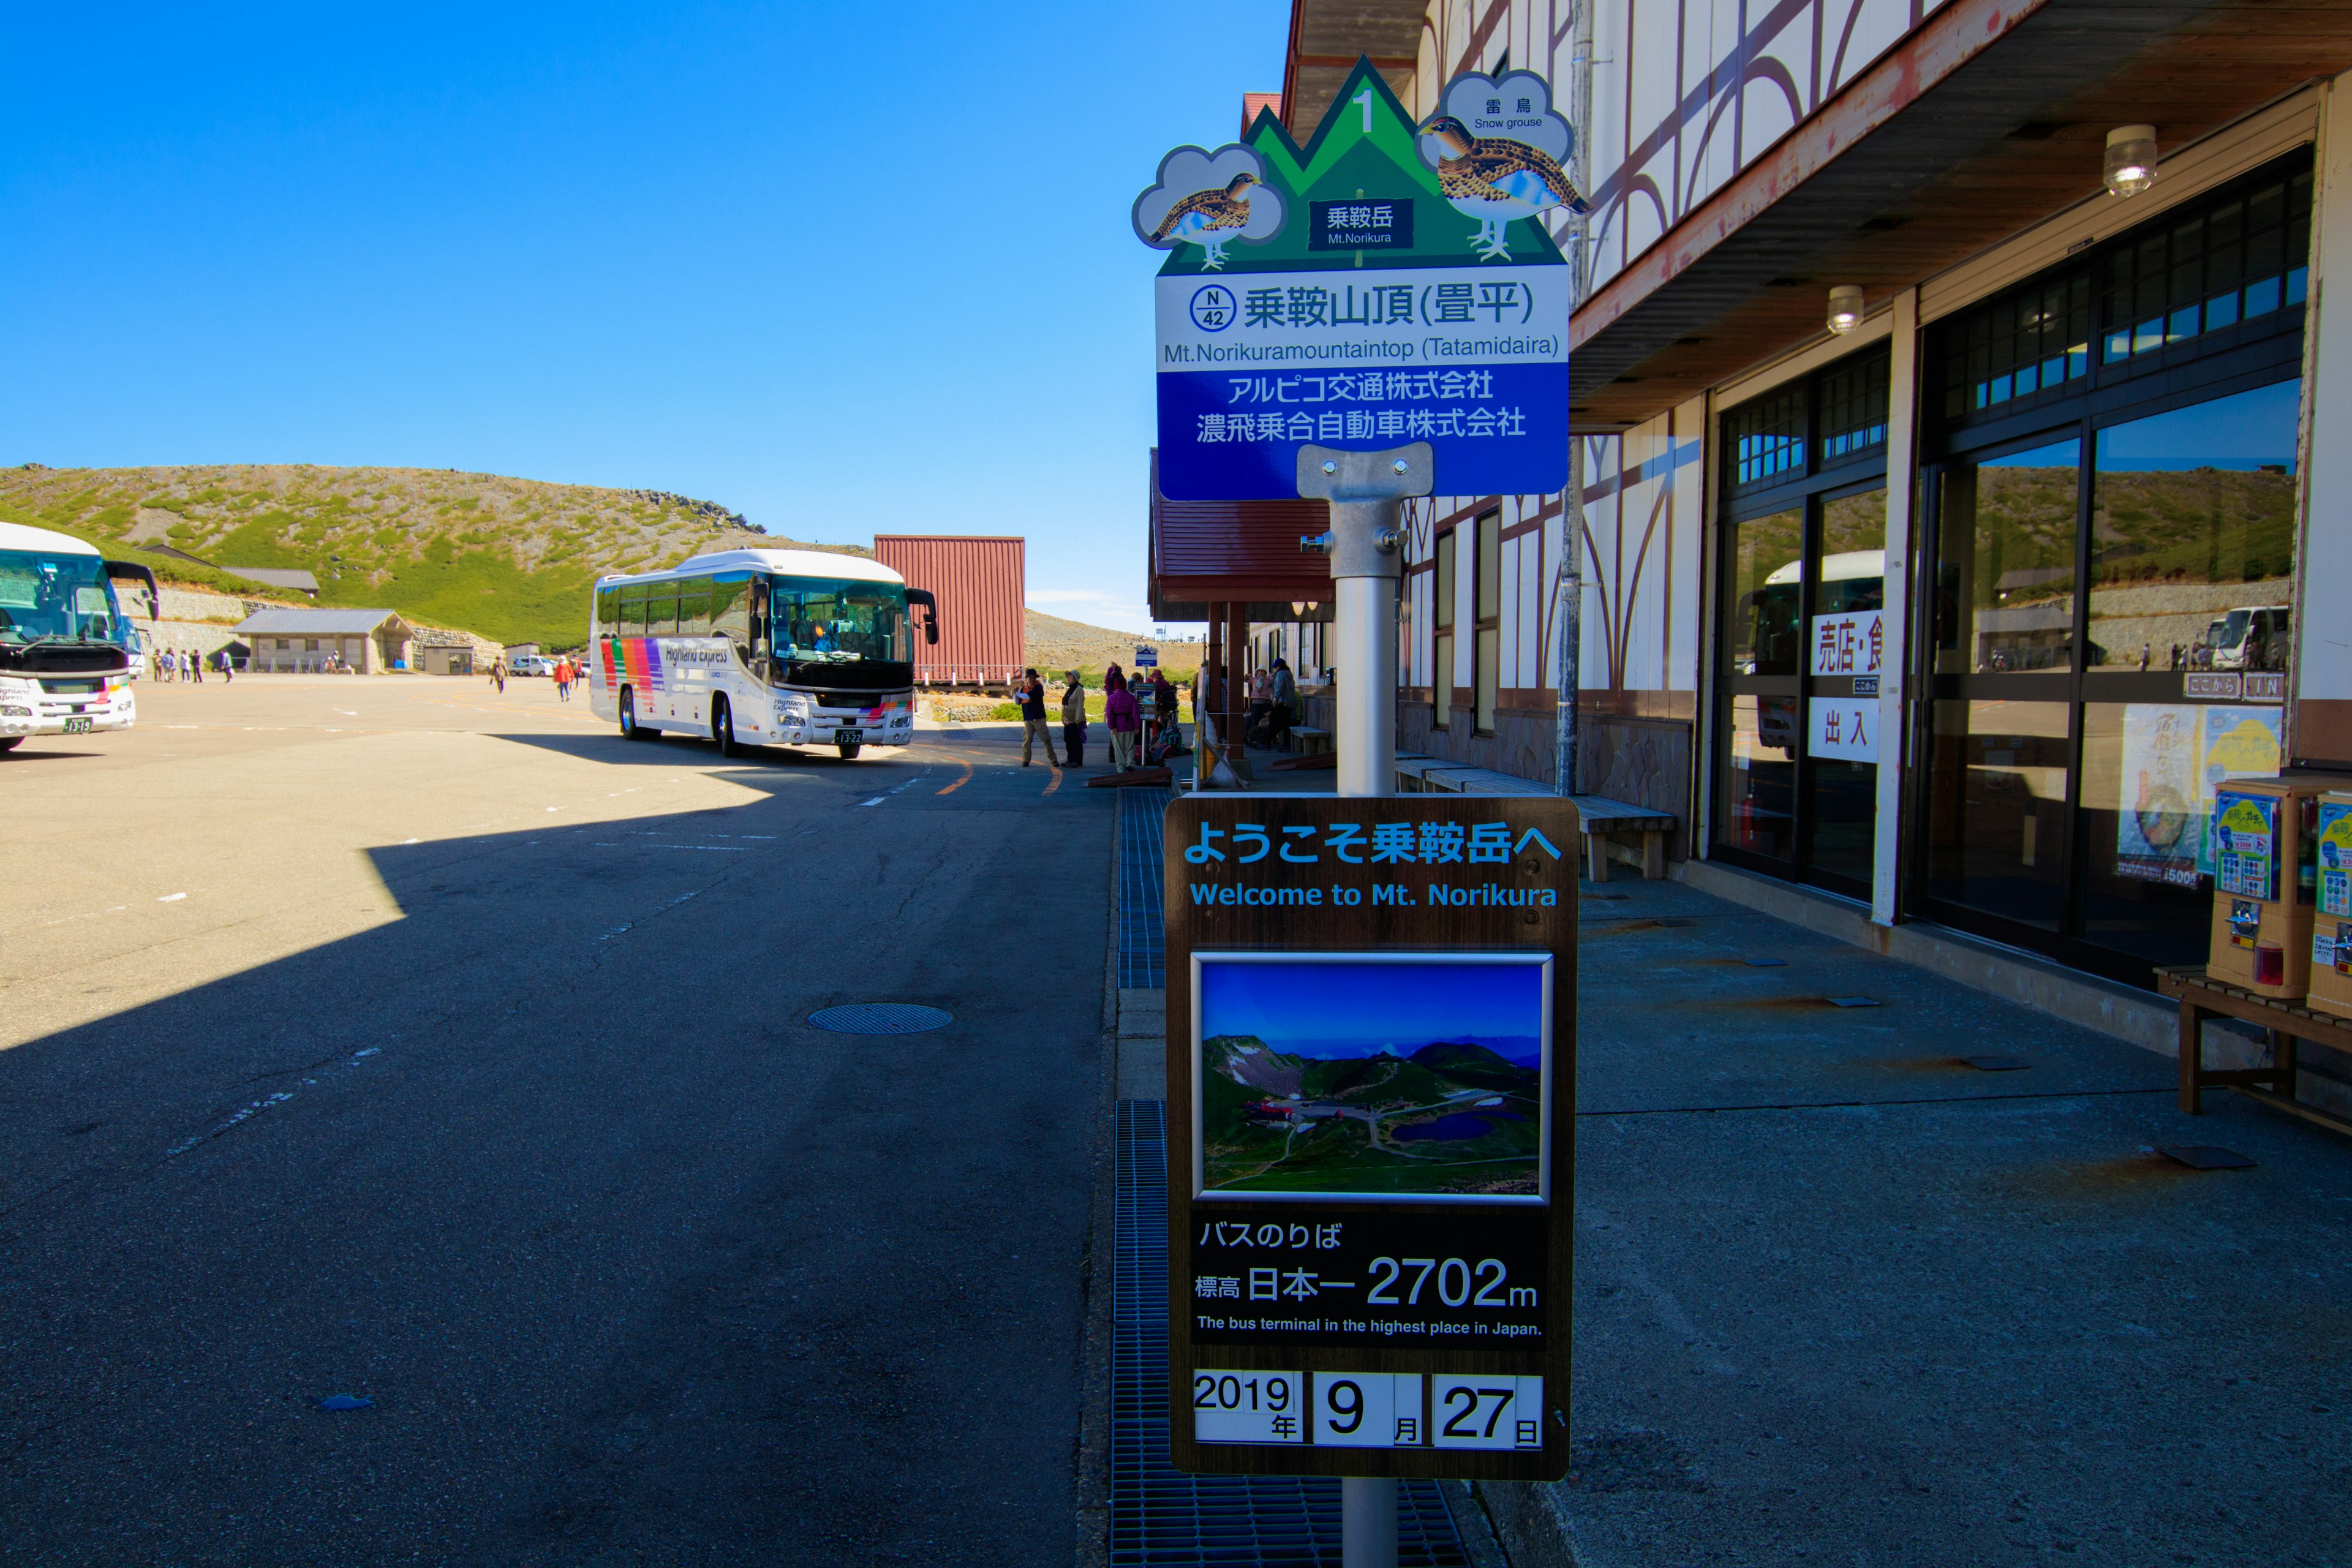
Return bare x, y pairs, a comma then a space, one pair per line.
880, 1018
1162, 1518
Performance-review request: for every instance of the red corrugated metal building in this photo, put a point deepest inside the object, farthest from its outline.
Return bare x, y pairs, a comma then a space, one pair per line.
982, 583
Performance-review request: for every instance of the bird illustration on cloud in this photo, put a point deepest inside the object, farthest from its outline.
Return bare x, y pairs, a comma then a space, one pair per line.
1499, 147
1211, 200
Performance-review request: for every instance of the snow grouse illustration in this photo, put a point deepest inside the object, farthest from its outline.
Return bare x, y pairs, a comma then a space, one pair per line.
1210, 218
1496, 181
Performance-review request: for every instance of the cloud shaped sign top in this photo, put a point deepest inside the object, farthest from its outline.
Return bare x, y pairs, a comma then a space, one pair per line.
1490, 107
1191, 171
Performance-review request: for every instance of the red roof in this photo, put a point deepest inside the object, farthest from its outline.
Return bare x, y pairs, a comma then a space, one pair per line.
1212, 551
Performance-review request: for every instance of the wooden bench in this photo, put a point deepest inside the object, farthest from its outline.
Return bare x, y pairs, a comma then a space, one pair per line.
2287, 1024
1613, 829
1306, 740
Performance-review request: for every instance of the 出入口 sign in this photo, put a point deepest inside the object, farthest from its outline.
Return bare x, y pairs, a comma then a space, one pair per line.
1371, 1086
1389, 283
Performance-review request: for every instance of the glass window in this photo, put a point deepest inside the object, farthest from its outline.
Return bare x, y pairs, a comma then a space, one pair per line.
608, 607
1759, 776
2192, 536
2237, 259
2005, 562
1763, 598
65, 598
834, 621
2030, 343
1842, 746
730, 610
661, 610
694, 607
1766, 438
1853, 409
2149, 770
1997, 792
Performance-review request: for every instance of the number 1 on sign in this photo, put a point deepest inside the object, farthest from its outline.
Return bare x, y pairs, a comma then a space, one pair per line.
1364, 100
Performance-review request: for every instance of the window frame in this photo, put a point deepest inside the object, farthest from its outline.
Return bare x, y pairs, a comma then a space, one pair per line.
1443, 556
1486, 620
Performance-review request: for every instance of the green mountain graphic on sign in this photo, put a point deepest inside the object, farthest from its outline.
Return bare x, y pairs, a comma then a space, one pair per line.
1366, 149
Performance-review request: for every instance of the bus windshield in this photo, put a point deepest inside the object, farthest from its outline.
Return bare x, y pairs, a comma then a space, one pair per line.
833, 621
56, 598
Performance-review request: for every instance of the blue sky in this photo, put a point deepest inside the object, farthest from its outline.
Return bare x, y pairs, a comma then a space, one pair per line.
847, 269
1337, 1009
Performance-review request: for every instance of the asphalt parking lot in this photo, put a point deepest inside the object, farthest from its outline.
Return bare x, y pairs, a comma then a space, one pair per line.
395, 1039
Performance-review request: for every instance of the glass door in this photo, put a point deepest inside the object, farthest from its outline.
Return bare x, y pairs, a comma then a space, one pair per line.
1804, 646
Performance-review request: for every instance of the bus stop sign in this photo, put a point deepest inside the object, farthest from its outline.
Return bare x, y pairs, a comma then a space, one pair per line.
1388, 283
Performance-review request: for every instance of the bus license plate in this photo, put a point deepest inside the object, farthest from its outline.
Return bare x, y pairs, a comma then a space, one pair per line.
848, 737
77, 726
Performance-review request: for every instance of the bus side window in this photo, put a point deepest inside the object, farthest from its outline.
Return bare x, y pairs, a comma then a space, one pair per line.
608, 604
694, 608
731, 612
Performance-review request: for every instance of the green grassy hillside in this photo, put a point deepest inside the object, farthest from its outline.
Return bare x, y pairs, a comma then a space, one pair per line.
506, 558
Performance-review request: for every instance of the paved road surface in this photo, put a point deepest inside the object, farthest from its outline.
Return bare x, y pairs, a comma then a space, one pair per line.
390, 1037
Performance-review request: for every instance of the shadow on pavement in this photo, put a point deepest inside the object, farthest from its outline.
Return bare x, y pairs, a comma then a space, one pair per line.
633, 1263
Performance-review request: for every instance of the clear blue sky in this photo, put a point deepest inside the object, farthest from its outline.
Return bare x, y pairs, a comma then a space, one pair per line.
845, 268
1340, 1009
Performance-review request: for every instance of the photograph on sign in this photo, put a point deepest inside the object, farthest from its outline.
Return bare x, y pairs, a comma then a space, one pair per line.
1371, 1077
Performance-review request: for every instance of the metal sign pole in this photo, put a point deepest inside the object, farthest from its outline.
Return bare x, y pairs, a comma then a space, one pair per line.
1366, 491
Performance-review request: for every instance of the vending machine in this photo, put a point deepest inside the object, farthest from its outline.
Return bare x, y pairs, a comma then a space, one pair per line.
2331, 935
2266, 832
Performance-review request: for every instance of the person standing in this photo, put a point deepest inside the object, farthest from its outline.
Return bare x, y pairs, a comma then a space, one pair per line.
1074, 723
227, 665
1286, 700
499, 674
1032, 718
196, 667
1164, 705
1120, 712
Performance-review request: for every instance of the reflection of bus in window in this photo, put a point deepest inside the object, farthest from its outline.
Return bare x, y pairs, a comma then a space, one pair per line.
1851, 581
2254, 637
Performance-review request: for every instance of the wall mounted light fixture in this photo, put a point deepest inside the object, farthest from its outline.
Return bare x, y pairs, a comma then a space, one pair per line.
1845, 308
2131, 159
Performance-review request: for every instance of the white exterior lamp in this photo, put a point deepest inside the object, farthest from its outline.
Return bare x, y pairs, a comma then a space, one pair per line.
1845, 308
2131, 159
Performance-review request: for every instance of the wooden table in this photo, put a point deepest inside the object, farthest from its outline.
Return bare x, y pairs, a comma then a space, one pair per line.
2288, 1025
1306, 740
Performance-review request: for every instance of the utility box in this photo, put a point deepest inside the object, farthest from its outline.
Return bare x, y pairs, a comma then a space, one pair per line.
2266, 832
981, 587
2331, 936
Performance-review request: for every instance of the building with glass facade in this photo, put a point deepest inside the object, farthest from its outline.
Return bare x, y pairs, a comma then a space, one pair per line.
1954, 617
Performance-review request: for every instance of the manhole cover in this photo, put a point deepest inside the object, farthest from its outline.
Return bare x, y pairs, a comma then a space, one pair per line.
880, 1018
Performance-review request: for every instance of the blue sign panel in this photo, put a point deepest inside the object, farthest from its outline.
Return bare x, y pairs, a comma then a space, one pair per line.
1473, 359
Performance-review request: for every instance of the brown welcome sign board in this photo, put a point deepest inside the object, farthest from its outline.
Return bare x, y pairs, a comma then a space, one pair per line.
1371, 1068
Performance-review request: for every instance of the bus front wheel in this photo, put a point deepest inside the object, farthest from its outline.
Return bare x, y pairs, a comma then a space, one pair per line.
722, 729
10, 742
849, 752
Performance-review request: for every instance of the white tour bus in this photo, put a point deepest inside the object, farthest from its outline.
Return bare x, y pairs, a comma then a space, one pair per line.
790, 648
66, 646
